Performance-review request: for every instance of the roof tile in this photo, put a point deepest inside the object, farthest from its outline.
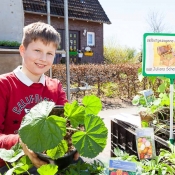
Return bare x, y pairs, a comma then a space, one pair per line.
90, 10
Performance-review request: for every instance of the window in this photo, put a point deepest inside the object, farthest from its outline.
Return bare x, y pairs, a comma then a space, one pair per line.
90, 39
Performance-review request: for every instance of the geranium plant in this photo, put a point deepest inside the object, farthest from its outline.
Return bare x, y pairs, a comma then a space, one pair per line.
80, 128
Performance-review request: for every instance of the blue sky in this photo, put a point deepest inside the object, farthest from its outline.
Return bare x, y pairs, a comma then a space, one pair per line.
128, 19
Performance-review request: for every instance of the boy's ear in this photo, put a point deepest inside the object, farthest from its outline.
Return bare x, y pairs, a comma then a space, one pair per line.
22, 50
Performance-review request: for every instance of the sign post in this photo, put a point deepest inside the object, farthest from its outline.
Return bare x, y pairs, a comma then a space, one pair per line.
159, 60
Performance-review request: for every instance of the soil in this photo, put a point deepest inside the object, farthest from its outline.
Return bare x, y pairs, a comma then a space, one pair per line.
108, 103
114, 103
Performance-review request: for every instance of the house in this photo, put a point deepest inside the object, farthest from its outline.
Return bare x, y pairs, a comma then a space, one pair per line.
86, 19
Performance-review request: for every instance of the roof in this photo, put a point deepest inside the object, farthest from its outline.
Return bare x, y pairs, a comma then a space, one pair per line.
88, 10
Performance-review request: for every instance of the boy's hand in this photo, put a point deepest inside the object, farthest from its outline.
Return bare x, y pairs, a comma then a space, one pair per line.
32, 156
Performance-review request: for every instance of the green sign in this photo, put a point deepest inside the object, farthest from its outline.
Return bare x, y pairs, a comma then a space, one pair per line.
159, 60
159, 55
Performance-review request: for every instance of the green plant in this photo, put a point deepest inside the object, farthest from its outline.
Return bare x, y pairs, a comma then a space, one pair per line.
9, 43
121, 155
159, 107
110, 89
115, 53
80, 124
163, 164
95, 167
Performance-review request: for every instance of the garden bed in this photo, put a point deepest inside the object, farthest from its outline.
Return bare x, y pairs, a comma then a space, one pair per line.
123, 136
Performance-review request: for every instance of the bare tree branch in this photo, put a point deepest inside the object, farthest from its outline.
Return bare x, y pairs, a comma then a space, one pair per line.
155, 21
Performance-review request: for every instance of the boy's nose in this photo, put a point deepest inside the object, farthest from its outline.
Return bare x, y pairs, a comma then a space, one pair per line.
43, 57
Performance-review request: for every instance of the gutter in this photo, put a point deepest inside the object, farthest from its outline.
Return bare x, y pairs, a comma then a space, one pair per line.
44, 14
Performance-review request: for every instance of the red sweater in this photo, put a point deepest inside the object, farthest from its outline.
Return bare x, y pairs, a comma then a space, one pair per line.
16, 98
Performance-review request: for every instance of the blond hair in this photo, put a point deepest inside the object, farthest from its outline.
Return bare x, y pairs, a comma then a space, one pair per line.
39, 30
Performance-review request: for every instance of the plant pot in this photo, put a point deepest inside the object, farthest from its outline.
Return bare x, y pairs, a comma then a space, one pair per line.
62, 162
145, 117
80, 55
73, 53
63, 55
88, 54
58, 110
9, 47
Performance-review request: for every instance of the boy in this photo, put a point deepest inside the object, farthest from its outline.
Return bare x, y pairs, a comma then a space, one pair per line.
27, 85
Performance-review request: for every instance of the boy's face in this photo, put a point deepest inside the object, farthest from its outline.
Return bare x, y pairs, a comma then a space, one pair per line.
37, 58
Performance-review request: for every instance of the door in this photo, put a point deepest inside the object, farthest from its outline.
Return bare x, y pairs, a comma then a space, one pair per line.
74, 45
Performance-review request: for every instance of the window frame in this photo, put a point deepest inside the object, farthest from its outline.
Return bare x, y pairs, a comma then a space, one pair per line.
93, 39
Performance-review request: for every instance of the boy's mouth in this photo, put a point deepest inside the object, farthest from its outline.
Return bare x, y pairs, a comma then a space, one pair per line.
40, 65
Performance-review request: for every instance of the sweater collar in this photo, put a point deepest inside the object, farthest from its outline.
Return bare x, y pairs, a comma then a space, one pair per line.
24, 79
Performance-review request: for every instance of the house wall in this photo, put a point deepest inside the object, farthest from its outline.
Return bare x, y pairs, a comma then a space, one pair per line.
58, 23
11, 20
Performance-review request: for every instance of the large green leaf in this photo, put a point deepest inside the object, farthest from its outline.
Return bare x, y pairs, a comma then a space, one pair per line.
39, 131
75, 113
44, 133
92, 104
23, 165
48, 169
58, 151
93, 140
38, 112
11, 155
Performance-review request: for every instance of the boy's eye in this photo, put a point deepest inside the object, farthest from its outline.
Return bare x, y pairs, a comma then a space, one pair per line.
37, 50
50, 54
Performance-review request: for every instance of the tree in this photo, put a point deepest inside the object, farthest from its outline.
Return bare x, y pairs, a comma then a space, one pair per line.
155, 21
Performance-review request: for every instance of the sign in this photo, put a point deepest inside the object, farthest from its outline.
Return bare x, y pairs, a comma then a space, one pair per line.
119, 167
149, 96
159, 55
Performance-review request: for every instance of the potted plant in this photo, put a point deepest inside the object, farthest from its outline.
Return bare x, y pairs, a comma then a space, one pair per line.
161, 164
88, 51
73, 52
157, 109
63, 55
80, 54
9, 44
79, 129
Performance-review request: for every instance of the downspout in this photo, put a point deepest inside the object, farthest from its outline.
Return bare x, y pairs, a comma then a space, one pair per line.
48, 22
67, 48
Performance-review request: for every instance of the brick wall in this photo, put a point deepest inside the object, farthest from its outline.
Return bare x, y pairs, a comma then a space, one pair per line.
58, 23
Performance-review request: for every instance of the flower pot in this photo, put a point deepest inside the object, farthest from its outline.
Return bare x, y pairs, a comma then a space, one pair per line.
9, 47
73, 53
58, 110
145, 117
62, 162
88, 54
80, 55
63, 55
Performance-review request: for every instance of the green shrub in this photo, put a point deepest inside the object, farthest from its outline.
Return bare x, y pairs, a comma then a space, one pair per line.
114, 53
9, 43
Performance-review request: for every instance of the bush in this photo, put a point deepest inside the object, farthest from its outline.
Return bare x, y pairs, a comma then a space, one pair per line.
107, 80
9, 43
114, 53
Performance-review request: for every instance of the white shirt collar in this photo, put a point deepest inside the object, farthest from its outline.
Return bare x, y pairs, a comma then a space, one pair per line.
24, 79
